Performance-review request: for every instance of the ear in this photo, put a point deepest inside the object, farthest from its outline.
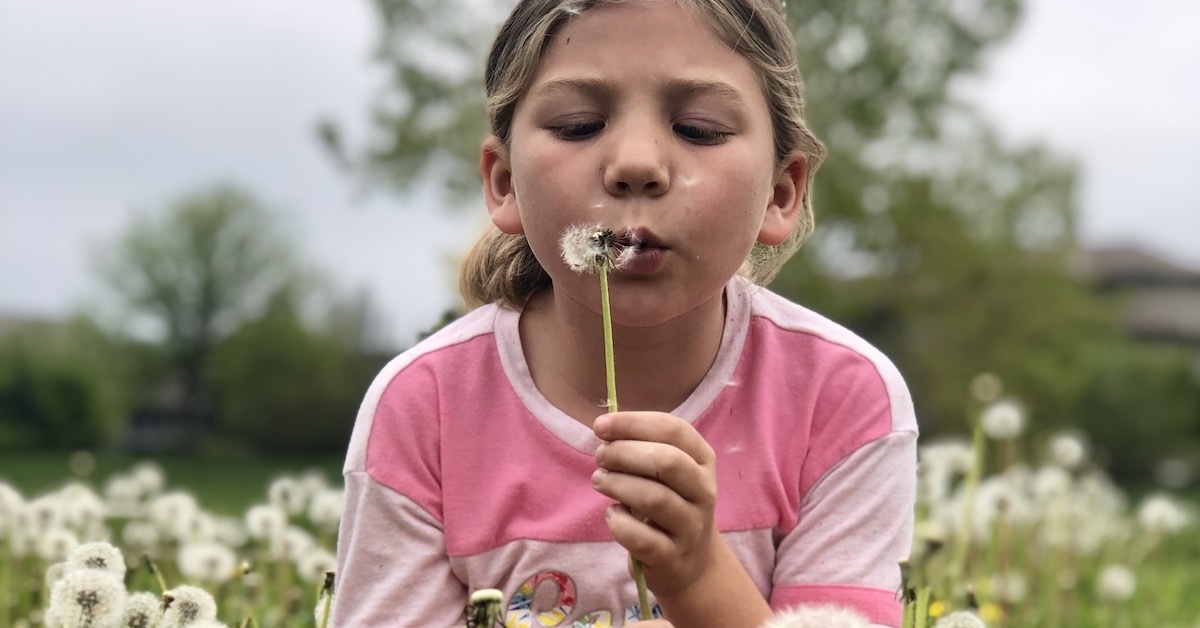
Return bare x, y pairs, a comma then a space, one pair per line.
498, 190
786, 205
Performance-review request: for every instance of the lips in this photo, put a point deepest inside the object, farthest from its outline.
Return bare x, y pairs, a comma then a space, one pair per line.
642, 238
649, 251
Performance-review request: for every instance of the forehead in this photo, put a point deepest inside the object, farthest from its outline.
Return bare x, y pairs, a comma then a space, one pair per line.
644, 42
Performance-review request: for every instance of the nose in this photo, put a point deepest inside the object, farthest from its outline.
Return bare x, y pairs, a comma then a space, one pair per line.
638, 164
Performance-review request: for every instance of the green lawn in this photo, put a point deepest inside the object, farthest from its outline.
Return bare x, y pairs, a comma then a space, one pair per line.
222, 484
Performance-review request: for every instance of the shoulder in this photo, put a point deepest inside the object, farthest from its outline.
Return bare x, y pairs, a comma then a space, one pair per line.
843, 363
409, 378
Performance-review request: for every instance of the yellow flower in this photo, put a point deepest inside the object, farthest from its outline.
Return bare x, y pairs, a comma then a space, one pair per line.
990, 612
937, 609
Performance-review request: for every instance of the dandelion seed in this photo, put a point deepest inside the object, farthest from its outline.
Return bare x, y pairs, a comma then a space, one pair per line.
960, 619
187, 605
1003, 420
1116, 583
87, 598
99, 556
142, 610
822, 616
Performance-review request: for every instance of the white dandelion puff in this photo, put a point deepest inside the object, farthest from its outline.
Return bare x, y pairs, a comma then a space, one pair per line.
484, 608
172, 511
99, 556
54, 573
325, 509
1116, 583
960, 619
291, 544
817, 616
140, 535
1068, 450
1161, 514
230, 532
87, 598
1003, 420
149, 477
186, 605
56, 544
315, 563
287, 493
207, 562
265, 521
142, 610
590, 248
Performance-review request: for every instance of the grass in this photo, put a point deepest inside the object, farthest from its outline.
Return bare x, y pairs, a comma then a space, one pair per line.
224, 484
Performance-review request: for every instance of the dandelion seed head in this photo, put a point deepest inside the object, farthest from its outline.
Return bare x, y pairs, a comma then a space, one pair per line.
325, 509
149, 477
185, 605
818, 616
1068, 450
315, 563
172, 511
287, 493
56, 544
1162, 514
207, 562
581, 249
81, 506
291, 544
98, 555
1116, 583
265, 521
142, 610
140, 535
87, 598
1003, 420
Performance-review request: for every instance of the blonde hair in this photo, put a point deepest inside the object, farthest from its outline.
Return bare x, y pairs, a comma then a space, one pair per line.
502, 267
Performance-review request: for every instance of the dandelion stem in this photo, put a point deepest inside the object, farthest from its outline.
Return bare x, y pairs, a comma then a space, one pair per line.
610, 378
921, 615
326, 595
153, 567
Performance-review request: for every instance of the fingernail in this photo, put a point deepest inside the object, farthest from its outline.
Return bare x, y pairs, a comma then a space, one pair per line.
601, 423
597, 475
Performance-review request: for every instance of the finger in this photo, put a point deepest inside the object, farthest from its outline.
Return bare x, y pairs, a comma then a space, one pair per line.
655, 427
643, 541
657, 504
662, 463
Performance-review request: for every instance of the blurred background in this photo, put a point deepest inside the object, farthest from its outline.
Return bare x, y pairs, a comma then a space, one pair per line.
219, 219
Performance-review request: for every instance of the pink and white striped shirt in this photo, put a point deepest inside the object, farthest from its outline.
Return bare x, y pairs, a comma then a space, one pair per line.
462, 476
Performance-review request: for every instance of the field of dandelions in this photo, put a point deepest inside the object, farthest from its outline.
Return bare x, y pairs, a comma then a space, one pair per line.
1013, 531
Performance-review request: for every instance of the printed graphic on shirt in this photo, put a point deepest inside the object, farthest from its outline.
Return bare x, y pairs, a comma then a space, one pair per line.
521, 612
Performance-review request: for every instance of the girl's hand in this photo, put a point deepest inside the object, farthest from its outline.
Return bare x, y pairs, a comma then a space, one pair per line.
664, 475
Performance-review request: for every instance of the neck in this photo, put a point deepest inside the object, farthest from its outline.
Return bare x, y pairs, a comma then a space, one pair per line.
657, 367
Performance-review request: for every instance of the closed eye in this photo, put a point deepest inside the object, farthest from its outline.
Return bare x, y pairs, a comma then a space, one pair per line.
701, 135
578, 131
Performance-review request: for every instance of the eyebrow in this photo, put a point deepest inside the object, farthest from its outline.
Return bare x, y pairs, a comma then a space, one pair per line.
676, 89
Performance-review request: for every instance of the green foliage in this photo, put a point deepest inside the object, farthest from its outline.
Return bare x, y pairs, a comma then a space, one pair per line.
57, 388
1140, 405
284, 387
215, 259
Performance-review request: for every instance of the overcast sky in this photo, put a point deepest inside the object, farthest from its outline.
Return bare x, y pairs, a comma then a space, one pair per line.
110, 108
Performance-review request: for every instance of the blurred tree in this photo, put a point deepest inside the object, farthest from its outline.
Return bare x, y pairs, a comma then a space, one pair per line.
57, 387
936, 240
190, 277
282, 386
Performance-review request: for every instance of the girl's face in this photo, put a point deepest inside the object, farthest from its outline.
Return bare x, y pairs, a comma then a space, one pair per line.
642, 120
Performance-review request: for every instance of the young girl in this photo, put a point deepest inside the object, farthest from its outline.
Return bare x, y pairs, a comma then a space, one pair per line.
766, 458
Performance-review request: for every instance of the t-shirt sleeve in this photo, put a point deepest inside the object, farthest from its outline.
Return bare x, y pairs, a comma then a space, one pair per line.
393, 568
855, 525
392, 564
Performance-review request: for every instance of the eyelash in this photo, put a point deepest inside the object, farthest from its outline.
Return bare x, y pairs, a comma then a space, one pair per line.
690, 132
